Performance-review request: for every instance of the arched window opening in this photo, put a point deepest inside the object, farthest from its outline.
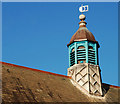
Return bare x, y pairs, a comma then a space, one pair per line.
91, 55
90, 47
81, 47
73, 50
81, 54
72, 57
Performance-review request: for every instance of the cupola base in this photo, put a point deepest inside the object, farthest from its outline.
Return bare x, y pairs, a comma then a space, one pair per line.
86, 77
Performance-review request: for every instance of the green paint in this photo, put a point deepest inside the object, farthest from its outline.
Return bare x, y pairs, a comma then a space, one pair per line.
90, 55
86, 46
75, 53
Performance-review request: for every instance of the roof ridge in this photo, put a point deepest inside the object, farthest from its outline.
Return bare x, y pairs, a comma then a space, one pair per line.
46, 72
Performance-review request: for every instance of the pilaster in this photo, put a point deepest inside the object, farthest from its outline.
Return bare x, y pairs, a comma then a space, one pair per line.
86, 46
75, 53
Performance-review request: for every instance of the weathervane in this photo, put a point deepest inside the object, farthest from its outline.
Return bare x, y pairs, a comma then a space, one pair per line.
83, 8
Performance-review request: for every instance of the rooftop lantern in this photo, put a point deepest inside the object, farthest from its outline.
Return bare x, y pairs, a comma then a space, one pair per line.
83, 48
83, 58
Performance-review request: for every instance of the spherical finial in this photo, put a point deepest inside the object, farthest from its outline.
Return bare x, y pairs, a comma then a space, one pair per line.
82, 17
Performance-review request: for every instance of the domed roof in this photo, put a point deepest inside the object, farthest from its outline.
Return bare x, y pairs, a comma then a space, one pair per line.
82, 34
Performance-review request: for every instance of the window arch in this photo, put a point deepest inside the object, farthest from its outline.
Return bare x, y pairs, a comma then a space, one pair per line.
90, 47
73, 49
80, 47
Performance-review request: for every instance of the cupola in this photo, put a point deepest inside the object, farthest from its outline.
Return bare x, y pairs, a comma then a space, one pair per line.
83, 48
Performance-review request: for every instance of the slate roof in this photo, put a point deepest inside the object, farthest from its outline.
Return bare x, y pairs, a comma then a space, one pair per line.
22, 84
